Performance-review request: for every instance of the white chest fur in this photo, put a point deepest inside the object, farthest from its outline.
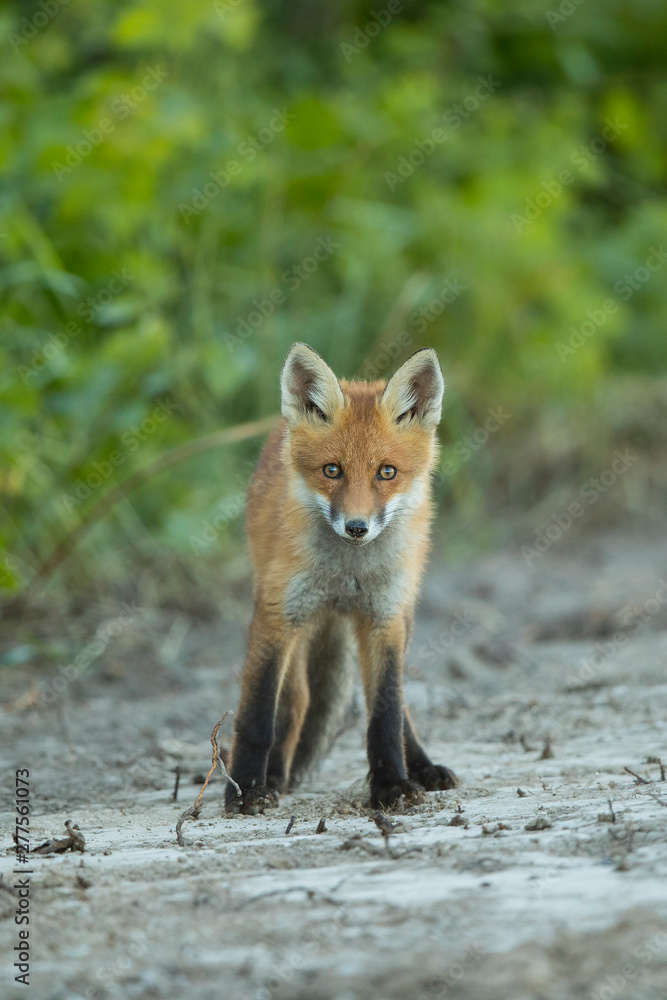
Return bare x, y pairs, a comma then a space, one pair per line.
369, 579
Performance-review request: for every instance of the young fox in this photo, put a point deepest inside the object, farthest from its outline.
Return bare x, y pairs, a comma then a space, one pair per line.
338, 522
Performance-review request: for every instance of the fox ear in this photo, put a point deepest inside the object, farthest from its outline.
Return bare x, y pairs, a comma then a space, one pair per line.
414, 394
310, 390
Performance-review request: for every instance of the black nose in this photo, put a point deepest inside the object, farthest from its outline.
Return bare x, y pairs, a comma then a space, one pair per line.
356, 529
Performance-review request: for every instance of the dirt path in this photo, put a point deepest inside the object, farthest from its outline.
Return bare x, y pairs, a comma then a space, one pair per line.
546, 679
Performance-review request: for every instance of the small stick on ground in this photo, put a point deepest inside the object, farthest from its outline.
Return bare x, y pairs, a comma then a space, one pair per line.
640, 780
656, 760
174, 794
74, 841
192, 812
77, 838
611, 811
292, 820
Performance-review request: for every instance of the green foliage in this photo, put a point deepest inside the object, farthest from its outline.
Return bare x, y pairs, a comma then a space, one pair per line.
190, 187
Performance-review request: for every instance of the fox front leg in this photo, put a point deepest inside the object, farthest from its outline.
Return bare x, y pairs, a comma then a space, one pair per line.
434, 777
381, 656
254, 729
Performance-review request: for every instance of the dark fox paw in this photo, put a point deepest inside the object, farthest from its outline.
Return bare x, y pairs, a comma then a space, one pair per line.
434, 777
253, 800
388, 796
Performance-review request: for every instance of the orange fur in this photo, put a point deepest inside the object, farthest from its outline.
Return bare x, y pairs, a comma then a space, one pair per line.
290, 501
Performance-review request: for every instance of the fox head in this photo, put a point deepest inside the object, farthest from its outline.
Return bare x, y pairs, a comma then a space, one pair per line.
362, 452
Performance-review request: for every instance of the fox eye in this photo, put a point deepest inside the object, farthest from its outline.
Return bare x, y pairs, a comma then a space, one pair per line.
332, 471
387, 472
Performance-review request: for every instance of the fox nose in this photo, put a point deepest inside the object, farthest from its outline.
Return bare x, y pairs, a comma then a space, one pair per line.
356, 529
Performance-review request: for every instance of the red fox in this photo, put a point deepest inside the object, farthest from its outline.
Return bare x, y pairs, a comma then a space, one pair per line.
338, 522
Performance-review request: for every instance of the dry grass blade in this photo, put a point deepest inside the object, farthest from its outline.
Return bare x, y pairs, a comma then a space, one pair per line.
209, 442
192, 812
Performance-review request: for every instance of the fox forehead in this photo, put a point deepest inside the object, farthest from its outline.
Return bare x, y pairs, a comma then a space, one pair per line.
362, 436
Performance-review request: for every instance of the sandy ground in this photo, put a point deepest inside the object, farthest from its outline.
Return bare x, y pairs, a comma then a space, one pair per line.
544, 875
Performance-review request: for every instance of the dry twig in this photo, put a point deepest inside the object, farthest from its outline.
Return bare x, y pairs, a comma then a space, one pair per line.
640, 780
74, 841
192, 812
656, 760
174, 794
